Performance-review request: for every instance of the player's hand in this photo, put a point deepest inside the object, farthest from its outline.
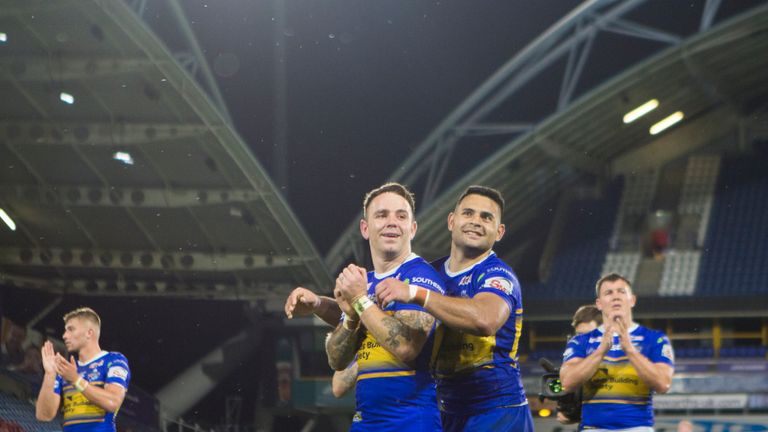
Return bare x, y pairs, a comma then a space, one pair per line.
352, 283
622, 329
606, 342
301, 302
49, 357
392, 290
67, 369
345, 306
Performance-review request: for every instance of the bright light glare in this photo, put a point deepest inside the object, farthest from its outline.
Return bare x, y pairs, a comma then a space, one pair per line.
3, 37
7, 219
667, 122
67, 98
123, 157
544, 412
641, 111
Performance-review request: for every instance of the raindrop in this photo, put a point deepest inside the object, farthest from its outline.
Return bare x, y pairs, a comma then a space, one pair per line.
331, 36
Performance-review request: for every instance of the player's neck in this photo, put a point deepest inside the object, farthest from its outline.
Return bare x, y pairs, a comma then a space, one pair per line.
385, 263
87, 354
460, 259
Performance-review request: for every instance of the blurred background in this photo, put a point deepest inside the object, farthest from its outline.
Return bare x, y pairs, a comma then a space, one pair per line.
180, 166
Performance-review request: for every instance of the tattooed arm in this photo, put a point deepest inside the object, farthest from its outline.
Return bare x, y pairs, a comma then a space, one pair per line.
402, 334
344, 381
342, 345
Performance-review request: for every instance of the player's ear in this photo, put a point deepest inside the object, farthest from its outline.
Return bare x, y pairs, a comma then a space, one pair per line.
364, 228
450, 221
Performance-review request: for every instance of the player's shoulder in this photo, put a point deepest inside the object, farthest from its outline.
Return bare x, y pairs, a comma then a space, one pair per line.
114, 356
494, 267
652, 335
420, 272
419, 265
592, 336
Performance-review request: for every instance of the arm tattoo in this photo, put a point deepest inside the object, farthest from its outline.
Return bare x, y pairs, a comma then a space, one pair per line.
407, 327
349, 376
341, 346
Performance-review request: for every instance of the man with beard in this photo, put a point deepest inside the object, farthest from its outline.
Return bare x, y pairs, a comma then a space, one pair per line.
391, 342
481, 314
93, 387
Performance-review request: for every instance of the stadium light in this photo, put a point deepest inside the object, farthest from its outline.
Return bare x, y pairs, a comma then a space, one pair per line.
3, 37
667, 122
67, 98
641, 111
7, 219
545, 412
123, 157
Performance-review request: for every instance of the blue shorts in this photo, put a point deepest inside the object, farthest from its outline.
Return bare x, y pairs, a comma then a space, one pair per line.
502, 419
423, 420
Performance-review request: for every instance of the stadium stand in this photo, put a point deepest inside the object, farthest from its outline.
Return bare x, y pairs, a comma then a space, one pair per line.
14, 411
734, 260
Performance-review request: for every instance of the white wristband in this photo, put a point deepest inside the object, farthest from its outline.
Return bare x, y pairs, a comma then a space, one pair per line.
412, 290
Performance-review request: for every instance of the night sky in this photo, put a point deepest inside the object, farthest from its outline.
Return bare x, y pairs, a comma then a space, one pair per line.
366, 82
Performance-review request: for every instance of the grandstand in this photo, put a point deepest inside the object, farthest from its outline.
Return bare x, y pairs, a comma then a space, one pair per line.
192, 251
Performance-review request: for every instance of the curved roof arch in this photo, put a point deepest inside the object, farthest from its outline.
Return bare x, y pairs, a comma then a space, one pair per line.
500, 135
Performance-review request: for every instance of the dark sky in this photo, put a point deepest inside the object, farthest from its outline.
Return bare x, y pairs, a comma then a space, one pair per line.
366, 82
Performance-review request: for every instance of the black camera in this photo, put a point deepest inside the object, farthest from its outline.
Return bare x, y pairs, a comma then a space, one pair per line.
551, 388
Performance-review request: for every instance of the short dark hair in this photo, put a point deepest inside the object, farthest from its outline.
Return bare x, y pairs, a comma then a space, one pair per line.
392, 187
610, 277
485, 191
586, 314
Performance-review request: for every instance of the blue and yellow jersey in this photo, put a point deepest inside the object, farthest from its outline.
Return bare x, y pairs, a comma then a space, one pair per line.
615, 397
82, 415
392, 395
478, 373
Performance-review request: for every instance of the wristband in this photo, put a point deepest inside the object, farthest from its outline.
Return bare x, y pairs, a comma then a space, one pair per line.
419, 295
350, 324
361, 304
79, 386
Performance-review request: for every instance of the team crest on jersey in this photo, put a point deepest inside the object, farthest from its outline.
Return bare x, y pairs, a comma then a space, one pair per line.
466, 280
358, 417
96, 364
93, 376
117, 372
667, 352
499, 283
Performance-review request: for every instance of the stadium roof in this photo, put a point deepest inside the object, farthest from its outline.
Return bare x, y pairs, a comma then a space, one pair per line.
121, 170
715, 76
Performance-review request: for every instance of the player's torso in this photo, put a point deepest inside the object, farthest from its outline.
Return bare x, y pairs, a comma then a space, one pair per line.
79, 413
457, 351
391, 393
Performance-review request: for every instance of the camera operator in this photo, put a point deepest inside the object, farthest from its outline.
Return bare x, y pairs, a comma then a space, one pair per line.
585, 319
618, 365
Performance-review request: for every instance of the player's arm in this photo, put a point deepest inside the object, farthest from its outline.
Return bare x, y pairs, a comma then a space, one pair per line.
109, 398
578, 370
657, 376
302, 301
342, 344
344, 381
481, 315
402, 334
48, 400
